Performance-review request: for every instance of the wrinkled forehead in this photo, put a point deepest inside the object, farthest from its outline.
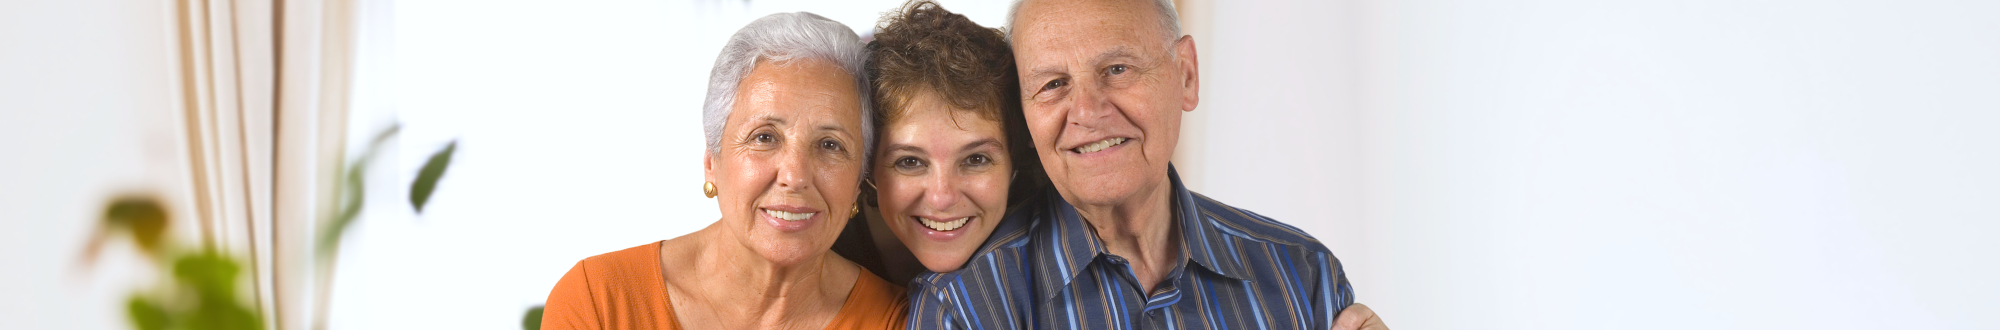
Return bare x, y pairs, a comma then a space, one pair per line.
803, 89
1085, 27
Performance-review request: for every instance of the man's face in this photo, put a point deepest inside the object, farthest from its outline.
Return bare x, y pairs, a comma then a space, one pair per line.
1103, 95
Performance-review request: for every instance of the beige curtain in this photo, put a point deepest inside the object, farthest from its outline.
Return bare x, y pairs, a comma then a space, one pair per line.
264, 86
1191, 154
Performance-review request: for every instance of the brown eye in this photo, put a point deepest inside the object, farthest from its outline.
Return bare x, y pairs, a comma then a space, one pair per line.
830, 145
1118, 69
764, 138
977, 160
1054, 84
908, 164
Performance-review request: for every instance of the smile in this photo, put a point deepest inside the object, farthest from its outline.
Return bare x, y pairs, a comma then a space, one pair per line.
789, 216
950, 225
1099, 145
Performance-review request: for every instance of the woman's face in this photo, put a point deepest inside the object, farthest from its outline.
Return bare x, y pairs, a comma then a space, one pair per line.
942, 177
790, 162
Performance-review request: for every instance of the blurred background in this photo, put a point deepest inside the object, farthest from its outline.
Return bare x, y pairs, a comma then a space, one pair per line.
1535, 164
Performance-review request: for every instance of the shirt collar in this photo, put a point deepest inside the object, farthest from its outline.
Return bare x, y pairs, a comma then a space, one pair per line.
1201, 242
1071, 244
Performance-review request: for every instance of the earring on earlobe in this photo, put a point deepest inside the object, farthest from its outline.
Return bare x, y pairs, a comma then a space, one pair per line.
857, 209
708, 188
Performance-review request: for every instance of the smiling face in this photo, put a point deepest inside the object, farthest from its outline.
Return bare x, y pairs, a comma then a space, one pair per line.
790, 162
942, 176
1103, 96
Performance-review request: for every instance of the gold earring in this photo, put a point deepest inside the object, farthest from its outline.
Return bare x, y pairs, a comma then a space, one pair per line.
708, 188
857, 208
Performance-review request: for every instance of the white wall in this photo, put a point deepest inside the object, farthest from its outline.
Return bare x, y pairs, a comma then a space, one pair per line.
1634, 164
1276, 130
86, 112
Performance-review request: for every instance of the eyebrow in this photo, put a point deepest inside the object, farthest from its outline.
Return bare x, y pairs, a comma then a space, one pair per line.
1115, 53
780, 121
983, 142
836, 130
1106, 56
905, 147
772, 119
968, 146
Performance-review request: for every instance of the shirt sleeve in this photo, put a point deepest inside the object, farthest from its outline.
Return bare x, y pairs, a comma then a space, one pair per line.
1332, 293
570, 305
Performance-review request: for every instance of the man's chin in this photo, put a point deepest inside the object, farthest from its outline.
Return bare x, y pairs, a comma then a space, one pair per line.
1102, 193
1100, 185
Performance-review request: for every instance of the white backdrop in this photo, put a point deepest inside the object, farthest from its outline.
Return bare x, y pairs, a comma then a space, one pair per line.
1680, 164
87, 111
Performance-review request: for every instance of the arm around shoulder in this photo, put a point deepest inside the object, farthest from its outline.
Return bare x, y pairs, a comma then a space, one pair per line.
928, 305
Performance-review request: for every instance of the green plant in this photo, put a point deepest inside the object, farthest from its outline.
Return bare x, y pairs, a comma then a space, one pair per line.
532, 321
353, 194
199, 291
354, 188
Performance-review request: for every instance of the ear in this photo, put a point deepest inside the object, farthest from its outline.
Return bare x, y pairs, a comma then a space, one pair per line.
1191, 70
707, 165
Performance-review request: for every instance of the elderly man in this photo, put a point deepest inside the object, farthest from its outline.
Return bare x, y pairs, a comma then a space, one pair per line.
1125, 245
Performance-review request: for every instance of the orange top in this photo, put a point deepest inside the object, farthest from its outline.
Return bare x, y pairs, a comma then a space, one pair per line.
626, 290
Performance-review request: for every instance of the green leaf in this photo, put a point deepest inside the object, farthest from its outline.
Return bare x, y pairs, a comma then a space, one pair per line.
146, 314
210, 273
353, 191
354, 186
532, 321
140, 215
427, 178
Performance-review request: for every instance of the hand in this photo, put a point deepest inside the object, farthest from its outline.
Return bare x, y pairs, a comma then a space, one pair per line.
1358, 317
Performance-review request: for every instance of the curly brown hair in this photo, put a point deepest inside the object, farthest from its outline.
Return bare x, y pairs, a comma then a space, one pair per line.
923, 47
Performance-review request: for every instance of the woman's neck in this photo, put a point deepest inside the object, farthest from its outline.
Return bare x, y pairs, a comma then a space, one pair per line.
718, 282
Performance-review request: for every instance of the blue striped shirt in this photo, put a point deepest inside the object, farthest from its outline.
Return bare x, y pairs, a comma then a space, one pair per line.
1045, 268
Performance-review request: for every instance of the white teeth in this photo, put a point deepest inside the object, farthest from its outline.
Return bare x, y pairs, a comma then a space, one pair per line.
944, 225
788, 216
1100, 145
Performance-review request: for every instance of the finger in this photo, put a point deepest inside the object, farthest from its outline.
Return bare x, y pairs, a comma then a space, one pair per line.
1355, 317
1374, 323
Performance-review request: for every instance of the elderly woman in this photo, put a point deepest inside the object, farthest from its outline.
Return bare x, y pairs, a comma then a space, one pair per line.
788, 127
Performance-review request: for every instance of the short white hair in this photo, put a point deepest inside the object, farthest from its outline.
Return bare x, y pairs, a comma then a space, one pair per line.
1169, 20
778, 38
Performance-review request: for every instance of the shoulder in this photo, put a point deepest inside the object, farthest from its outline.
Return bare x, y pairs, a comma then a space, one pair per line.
1288, 253
623, 283
1010, 238
634, 269
1247, 225
638, 263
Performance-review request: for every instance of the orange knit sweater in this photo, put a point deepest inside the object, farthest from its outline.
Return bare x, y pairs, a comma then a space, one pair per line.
624, 290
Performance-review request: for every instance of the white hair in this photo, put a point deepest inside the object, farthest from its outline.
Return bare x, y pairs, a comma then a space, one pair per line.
777, 38
1170, 20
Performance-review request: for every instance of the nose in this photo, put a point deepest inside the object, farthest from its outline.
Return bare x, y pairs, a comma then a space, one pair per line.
795, 170
941, 192
1088, 104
